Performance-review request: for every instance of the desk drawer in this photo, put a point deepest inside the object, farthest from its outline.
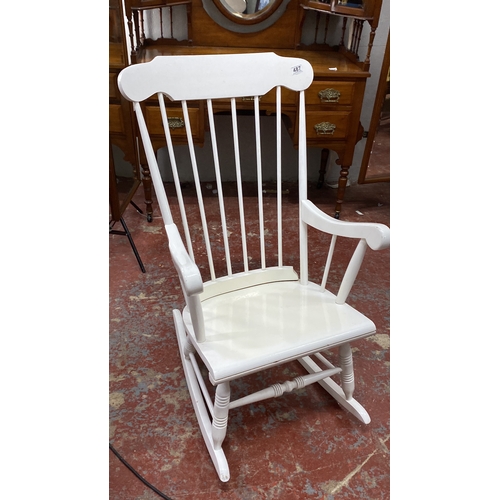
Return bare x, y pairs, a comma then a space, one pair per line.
176, 121
323, 126
330, 93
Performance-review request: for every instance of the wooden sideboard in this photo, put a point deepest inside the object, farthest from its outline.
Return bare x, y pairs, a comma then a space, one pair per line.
300, 28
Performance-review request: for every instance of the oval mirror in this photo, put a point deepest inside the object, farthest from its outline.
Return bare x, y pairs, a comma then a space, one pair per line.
247, 11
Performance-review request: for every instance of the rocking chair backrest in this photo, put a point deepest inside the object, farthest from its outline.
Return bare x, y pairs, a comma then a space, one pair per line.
230, 77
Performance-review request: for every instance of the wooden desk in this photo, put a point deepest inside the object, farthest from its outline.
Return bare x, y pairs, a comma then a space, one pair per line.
333, 102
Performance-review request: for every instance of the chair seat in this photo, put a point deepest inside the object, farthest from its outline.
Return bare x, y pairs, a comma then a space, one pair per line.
257, 327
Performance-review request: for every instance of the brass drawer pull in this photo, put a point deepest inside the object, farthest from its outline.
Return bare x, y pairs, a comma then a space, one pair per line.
325, 128
176, 122
329, 95
249, 98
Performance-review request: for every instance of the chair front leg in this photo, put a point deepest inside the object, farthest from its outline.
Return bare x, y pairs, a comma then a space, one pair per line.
347, 375
221, 411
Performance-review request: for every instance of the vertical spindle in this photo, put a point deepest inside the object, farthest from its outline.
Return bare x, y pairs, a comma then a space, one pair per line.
171, 12
199, 194
279, 201
175, 174
218, 180
342, 38
237, 161
351, 272
259, 181
141, 27
327, 24
318, 18
303, 188
161, 22
328, 262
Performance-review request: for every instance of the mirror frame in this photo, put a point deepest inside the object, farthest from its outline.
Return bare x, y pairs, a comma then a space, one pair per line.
248, 19
364, 175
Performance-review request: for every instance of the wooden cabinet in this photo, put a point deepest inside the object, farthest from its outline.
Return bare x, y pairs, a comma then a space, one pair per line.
298, 28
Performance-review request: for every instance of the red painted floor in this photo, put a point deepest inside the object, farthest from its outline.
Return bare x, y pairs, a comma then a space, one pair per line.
299, 446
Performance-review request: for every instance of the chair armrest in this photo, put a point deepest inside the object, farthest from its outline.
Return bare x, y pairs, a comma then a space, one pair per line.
188, 271
377, 236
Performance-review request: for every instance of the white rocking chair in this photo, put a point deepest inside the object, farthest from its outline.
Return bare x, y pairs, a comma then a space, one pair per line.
248, 315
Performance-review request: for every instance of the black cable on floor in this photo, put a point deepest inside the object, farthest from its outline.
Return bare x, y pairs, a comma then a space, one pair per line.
149, 485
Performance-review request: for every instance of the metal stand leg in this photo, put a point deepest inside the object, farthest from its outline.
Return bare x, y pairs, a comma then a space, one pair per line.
136, 207
126, 233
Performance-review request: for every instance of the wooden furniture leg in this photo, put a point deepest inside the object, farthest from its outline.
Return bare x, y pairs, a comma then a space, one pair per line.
146, 183
342, 184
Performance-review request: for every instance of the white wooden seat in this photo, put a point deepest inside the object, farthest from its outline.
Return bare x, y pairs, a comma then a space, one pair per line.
255, 314
249, 329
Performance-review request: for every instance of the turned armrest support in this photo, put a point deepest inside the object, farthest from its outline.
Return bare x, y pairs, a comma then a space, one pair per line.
377, 236
188, 271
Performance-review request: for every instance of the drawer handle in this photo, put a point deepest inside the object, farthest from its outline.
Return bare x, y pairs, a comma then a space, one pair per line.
249, 98
176, 122
329, 95
325, 128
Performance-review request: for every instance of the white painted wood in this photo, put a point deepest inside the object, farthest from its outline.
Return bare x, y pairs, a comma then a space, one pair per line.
188, 271
376, 235
220, 194
190, 279
221, 412
277, 390
242, 339
244, 322
218, 457
352, 406
201, 382
279, 195
304, 262
351, 272
328, 261
214, 76
201, 205
246, 280
153, 165
241, 207
347, 370
175, 174
258, 152
325, 361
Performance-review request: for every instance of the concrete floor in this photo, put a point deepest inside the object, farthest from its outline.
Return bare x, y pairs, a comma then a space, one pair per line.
299, 446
